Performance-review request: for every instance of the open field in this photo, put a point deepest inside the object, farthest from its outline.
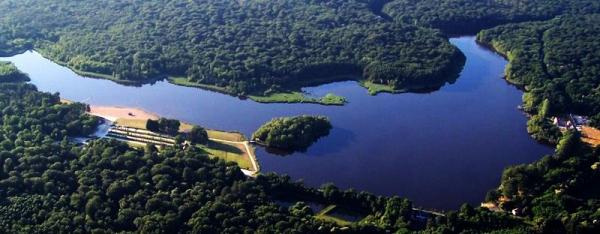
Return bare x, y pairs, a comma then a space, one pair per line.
226, 136
590, 135
113, 113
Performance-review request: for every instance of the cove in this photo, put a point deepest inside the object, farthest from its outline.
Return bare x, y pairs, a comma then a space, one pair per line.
439, 149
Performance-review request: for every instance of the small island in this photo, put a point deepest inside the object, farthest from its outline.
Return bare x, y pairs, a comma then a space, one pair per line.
10, 73
292, 133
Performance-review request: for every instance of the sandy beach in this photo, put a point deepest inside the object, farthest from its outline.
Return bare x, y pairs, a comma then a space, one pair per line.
113, 113
590, 135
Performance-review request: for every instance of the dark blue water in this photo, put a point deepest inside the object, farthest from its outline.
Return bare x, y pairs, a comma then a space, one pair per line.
439, 149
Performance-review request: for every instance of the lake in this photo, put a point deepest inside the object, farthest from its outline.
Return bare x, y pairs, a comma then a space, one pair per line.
439, 149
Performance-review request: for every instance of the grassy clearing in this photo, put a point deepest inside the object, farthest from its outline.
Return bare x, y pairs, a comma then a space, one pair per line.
132, 123
228, 152
298, 97
226, 136
183, 81
323, 215
374, 88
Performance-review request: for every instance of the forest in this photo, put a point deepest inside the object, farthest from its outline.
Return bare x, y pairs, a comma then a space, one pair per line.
557, 62
292, 133
241, 47
470, 16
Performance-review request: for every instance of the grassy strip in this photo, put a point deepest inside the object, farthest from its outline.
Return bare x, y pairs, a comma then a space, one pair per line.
298, 97
283, 97
132, 123
185, 82
226, 136
374, 88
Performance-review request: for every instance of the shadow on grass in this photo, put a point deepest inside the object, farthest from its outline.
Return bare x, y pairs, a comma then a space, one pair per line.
224, 147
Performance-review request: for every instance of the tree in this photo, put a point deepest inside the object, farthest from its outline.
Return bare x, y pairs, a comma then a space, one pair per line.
152, 125
198, 135
168, 126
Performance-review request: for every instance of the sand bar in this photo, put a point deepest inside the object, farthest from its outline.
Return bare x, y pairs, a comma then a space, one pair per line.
113, 113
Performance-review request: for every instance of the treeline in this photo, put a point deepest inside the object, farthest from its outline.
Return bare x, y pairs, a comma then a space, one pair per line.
292, 133
471, 16
246, 47
558, 193
10, 73
196, 135
558, 62
163, 125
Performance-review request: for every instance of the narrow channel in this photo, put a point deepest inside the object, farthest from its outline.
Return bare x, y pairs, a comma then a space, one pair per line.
439, 149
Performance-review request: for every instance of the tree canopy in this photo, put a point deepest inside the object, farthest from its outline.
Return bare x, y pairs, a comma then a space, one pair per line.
242, 47
292, 133
556, 60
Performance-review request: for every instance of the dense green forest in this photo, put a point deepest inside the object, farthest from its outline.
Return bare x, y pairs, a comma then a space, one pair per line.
241, 47
558, 62
471, 16
292, 133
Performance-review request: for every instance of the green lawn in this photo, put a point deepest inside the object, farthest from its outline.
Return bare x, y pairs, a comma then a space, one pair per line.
228, 152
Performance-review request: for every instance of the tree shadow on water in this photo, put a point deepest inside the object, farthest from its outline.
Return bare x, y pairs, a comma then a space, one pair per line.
337, 139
